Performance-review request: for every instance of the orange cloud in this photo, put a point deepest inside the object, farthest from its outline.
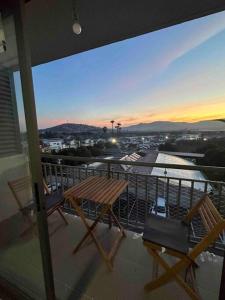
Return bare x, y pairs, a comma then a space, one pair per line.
197, 111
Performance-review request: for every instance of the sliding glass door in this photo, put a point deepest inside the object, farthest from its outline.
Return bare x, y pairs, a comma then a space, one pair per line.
24, 247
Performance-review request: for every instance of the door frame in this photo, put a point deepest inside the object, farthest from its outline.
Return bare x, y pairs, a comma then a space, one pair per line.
25, 67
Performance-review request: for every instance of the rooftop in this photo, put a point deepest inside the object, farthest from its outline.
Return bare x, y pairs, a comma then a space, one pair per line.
185, 154
164, 158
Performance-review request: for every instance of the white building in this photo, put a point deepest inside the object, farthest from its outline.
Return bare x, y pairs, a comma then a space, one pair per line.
54, 144
189, 137
74, 144
87, 142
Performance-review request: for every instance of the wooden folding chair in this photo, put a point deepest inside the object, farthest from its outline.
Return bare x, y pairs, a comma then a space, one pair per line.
21, 190
171, 236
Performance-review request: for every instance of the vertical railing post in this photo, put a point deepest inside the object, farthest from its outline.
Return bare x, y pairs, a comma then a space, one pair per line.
146, 197
191, 194
56, 177
61, 177
178, 197
222, 281
155, 203
50, 175
167, 197
128, 200
136, 197
108, 170
219, 199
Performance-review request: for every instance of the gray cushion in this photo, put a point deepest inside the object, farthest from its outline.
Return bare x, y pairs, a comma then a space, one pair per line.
168, 233
54, 199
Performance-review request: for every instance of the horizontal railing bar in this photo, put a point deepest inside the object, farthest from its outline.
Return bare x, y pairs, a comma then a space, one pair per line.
140, 174
135, 163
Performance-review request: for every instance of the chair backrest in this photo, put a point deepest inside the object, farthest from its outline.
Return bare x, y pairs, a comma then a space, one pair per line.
213, 222
46, 189
21, 189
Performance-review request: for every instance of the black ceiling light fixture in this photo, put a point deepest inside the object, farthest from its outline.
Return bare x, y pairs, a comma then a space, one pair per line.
76, 23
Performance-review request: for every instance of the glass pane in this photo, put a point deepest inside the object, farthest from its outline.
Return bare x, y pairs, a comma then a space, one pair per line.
20, 256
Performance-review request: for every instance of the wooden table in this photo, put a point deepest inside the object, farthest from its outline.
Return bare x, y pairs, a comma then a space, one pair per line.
103, 191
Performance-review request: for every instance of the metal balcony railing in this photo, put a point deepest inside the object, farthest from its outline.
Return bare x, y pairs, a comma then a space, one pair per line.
143, 192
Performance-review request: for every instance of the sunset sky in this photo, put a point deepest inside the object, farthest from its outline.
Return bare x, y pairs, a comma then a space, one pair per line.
175, 74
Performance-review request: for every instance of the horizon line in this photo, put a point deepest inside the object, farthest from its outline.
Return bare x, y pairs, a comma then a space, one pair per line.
141, 123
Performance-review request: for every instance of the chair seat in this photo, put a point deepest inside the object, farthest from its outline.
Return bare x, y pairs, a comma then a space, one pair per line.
168, 233
54, 199
28, 207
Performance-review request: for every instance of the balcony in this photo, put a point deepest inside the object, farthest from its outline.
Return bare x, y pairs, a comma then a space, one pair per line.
85, 275
144, 191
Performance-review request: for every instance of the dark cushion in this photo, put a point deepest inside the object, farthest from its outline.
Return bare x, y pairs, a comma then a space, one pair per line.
54, 199
168, 233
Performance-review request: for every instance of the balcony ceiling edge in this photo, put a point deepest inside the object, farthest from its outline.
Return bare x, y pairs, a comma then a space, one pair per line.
103, 22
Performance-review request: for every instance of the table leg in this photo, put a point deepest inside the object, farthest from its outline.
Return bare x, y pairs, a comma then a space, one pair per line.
106, 209
155, 269
110, 219
89, 228
117, 222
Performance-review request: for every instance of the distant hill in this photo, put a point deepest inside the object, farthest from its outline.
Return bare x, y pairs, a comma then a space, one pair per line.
154, 126
178, 126
71, 128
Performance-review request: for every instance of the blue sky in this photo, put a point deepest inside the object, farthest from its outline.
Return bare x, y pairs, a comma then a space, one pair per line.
173, 74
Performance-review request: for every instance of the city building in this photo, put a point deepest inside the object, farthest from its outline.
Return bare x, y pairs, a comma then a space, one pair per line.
74, 144
54, 144
190, 137
87, 142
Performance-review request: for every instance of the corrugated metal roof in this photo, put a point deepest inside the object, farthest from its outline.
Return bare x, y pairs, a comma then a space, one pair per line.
178, 173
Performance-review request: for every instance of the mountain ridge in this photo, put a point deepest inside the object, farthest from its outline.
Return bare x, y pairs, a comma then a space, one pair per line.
71, 128
205, 125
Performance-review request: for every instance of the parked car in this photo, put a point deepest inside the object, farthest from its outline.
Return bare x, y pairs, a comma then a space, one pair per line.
53, 187
159, 207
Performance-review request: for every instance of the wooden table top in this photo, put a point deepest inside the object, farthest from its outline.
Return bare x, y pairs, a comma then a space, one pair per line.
97, 189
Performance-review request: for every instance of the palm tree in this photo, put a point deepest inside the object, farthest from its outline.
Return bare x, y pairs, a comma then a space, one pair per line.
112, 125
118, 127
104, 129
